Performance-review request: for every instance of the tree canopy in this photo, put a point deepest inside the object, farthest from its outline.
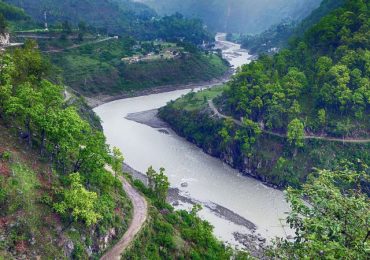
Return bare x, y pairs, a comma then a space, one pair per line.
330, 216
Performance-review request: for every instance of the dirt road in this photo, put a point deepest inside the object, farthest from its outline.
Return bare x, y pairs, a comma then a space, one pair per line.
139, 217
324, 138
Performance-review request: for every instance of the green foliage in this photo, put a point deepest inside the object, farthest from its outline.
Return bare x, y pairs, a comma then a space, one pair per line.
318, 86
325, 70
117, 161
295, 133
330, 216
158, 183
122, 17
36, 109
277, 36
174, 234
99, 69
78, 202
11, 12
6, 155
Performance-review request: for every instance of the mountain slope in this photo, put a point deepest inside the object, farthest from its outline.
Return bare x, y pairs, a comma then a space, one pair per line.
243, 16
116, 18
278, 35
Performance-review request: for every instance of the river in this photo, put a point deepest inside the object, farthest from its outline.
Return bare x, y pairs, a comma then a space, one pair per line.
198, 176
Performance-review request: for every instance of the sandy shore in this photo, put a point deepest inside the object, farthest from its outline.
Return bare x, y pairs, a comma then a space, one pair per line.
149, 118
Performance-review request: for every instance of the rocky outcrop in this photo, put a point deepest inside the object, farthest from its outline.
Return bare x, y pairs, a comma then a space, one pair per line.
4, 39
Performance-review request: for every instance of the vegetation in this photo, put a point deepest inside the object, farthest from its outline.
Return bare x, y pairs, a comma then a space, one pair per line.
318, 87
277, 36
107, 68
123, 17
330, 216
172, 234
79, 189
327, 69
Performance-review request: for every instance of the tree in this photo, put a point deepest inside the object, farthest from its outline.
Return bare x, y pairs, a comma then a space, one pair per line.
158, 183
80, 203
226, 131
247, 135
330, 216
117, 161
296, 133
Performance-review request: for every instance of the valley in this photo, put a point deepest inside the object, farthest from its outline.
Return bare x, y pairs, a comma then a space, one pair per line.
185, 163
135, 129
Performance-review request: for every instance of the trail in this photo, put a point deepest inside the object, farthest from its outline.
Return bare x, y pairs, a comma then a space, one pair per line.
79, 45
329, 139
139, 217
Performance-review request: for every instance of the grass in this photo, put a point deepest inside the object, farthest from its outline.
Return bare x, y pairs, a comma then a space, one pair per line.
197, 100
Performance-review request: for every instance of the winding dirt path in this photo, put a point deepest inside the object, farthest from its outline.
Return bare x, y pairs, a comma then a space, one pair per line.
329, 139
139, 217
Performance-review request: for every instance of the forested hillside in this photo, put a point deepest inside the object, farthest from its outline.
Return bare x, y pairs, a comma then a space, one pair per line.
288, 113
277, 36
53, 183
114, 17
242, 16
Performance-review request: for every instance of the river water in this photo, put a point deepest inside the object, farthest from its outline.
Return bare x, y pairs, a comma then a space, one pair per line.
209, 181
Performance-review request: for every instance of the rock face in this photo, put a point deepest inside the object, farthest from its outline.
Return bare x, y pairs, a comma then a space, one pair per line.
4, 39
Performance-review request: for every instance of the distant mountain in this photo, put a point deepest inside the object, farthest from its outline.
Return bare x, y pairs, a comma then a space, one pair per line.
121, 17
115, 15
242, 16
278, 35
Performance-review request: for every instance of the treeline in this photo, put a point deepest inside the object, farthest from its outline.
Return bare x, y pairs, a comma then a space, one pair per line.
35, 108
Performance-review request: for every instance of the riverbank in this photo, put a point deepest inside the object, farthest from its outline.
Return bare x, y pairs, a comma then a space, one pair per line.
251, 241
99, 100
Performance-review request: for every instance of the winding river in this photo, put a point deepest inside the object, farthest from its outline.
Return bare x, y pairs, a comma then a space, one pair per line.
197, 176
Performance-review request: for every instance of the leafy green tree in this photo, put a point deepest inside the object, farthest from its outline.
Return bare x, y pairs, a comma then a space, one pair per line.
80, 203
30, 65
226, 131
248, 135
295, 133
330, 216
117, 161
158, 183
